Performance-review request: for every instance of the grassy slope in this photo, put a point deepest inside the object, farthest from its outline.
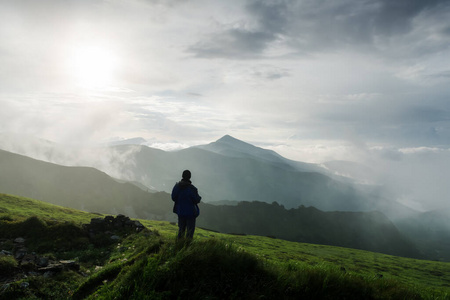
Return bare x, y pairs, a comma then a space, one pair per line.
22, 208
418, 274
409, 271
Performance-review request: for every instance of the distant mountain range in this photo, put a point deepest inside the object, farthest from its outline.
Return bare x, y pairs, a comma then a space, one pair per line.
230, 169
94, 191
227, 170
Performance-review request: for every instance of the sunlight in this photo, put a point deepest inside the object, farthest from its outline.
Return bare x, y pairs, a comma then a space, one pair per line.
92, 66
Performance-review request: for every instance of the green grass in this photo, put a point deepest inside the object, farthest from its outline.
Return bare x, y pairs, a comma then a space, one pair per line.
7, 264
150, 265
412, 272
213, 269
21, 208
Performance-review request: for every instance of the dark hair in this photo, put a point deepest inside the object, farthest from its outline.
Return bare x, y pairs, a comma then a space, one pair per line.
186, 174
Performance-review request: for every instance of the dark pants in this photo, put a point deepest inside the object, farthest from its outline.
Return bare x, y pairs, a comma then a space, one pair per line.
186, 227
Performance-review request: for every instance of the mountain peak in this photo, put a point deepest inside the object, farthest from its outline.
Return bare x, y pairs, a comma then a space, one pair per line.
231, 142
230, 146
228, 138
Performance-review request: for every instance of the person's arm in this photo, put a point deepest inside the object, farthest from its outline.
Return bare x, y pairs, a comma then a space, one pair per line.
196, 196
175, 192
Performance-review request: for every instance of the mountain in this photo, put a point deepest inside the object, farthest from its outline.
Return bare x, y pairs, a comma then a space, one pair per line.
232, 147
82, 188
226, 170
229, 169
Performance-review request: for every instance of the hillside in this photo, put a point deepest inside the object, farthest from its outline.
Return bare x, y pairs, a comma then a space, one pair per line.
430, 231
149, 265
81, 188
371, 231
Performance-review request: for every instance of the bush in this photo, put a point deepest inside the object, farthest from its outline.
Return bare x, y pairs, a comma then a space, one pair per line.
7, 264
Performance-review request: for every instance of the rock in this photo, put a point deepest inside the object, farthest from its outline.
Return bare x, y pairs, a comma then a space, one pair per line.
19, 240
96, 221
52, 268
109, 219
91, 233
42, 261
115, 237
28, 261
69, 265
20, 253
138, 225
24, 285
110, 225
4, 252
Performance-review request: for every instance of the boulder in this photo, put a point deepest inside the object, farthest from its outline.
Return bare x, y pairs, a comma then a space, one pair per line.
20, 253
19, 240
42, 261
70, 265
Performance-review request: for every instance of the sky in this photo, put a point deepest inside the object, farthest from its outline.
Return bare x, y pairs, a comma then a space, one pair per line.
314, 80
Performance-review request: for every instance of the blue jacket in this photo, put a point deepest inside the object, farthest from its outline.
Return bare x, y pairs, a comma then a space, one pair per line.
186, 198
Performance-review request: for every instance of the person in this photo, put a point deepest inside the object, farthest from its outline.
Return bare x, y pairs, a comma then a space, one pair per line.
186, 197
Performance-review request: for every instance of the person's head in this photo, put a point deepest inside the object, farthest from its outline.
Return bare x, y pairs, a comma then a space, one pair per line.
186, 174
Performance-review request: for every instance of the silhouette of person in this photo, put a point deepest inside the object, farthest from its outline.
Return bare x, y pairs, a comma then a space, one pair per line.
186, 197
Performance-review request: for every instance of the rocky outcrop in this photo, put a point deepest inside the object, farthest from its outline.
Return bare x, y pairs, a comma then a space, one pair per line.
28, 263
112, 226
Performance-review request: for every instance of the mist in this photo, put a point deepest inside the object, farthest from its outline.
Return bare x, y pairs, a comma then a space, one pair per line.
414, 177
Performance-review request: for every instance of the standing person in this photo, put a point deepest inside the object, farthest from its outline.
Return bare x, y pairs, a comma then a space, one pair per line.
186, 198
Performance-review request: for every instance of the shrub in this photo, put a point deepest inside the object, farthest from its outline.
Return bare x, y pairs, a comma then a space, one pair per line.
7, 264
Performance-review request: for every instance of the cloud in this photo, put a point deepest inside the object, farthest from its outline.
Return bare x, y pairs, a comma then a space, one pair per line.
418, 175
234, 43
308, 26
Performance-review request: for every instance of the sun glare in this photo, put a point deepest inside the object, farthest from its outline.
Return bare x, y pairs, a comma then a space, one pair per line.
92, 66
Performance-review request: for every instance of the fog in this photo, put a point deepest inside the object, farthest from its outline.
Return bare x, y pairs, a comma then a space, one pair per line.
415, 177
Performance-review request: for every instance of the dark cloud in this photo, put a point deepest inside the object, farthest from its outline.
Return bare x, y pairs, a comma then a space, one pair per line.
311, 25
444, 74
386, 121
395, 17
243, 43
237, 43
446, 31
424, 114
273, 16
